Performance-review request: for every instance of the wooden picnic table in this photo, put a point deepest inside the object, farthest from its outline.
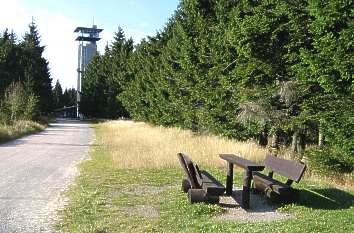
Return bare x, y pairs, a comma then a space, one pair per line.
249, 167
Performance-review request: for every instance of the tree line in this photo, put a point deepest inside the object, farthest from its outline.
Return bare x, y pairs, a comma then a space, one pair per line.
63, 98
277, 70
25, 81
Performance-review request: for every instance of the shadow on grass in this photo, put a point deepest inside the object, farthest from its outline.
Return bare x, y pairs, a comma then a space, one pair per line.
326, 199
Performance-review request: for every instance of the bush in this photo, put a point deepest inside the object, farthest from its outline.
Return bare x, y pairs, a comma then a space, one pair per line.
326, 160
19, 104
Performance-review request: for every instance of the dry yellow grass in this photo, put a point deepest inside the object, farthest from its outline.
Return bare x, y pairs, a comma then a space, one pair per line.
139, 145
18, 129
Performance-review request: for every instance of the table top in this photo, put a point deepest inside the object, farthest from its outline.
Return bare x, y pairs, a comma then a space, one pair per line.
242, 162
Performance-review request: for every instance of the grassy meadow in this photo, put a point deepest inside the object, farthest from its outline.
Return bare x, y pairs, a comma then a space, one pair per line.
137, 145
132, 184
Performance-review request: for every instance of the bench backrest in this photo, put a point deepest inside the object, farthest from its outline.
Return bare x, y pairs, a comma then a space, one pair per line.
288, 168
191, 169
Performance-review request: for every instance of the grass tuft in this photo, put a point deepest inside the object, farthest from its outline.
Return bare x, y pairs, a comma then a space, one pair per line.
18, 129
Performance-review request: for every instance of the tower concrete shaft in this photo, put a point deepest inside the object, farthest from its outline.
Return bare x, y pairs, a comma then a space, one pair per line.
87, 38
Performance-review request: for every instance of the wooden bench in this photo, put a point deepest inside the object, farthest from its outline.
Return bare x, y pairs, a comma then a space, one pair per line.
201, 186
274, 189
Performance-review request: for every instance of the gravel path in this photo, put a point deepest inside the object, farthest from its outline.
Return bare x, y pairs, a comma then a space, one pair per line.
35, 170
261, 209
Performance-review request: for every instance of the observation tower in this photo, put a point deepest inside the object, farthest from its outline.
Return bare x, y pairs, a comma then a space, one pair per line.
87, 38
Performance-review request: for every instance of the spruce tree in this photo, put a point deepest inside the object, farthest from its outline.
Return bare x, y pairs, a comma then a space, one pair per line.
69, 97
36, 68
58, 96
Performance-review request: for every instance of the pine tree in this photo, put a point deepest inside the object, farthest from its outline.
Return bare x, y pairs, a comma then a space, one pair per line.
326, 73
36, 68
11, 69
58, 96
69, 97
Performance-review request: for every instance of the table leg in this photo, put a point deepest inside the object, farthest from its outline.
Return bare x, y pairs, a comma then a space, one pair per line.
246, 189
229, 178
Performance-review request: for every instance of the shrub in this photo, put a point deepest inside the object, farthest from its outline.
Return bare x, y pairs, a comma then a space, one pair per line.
19, 104
326, 159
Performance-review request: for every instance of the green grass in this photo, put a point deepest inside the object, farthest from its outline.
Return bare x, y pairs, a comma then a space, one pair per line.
107, 199
19, 129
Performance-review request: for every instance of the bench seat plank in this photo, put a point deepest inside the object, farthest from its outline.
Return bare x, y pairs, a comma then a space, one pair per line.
211, 185
262, 182
274, 189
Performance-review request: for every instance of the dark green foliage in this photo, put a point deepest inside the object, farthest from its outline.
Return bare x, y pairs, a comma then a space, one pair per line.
69, 97
23, 62
329, 61
326, 73
243, 69
36, 69
57, 96
104, 79
63, 99
337, 120
327, 159
11, 69
93, 88
18, 103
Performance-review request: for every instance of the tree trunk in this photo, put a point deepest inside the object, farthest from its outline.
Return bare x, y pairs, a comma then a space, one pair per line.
263, 138
295, 140
300, 145
275, 141
320, 137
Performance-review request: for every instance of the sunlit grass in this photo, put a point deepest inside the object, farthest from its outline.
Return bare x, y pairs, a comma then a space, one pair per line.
132, 184
140, 145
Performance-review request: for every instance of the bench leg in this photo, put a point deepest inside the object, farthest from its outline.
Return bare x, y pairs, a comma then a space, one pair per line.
186, 185
196, 195
229, 178
246, 190
199, 195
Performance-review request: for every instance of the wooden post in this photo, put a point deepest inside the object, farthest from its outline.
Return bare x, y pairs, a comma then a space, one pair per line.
229, 178
186, 185
246, 189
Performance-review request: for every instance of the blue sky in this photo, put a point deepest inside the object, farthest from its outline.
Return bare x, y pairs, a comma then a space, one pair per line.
56, 21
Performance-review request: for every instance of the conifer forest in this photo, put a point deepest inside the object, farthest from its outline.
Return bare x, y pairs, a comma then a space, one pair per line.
279, 72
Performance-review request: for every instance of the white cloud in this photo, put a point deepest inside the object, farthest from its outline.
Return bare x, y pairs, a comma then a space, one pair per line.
56, 33
106, 37
61, 49
17, 21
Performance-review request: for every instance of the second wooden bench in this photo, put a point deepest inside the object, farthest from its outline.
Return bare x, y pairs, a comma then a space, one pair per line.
274, 189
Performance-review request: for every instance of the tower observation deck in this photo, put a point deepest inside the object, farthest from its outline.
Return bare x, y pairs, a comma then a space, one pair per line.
87, 38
